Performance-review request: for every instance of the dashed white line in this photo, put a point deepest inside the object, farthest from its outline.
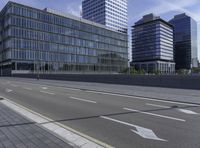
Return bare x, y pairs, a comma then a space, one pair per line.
27, 88
155, 105
45, 88
156, 115
188, 111
13, 85
8, 90
84, 100
73, 89
139, 98
46, 92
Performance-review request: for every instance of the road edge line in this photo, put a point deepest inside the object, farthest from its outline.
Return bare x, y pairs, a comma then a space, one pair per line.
69, 129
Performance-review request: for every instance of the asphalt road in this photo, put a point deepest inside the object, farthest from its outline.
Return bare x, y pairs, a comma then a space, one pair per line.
119, 120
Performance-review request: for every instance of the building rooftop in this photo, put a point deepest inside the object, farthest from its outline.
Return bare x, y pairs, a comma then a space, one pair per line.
150, 18
147, 18
66, 15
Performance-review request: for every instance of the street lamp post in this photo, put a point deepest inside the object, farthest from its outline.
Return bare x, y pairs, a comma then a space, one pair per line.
129, 67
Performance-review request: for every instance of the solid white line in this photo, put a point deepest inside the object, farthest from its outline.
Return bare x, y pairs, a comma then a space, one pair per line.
84, 100
156, 115
50, 93
74, 139
140, 98
155, 105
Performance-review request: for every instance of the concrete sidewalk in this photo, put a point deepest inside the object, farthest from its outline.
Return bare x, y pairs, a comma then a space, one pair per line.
19, 132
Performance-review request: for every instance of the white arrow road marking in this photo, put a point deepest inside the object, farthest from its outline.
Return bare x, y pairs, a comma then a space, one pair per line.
188, 111
84, 100
147, 134
141, 131
152, 114
8, 90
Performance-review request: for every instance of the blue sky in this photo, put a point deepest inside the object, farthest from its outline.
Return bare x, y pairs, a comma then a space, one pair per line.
137, 8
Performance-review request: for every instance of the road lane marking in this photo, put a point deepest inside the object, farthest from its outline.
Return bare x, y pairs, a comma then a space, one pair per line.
45, 88
46, 92
27, 88
141, 131
73, 137
156, 115
188, 112
13, 85
8, 90
84, 100
73, 89
155, 105
140, 98
113, 94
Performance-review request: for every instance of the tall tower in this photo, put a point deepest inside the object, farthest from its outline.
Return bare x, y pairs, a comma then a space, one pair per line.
152, 45
112, 13
185, 40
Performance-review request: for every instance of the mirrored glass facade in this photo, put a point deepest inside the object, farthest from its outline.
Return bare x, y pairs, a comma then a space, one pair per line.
112, 13
152, 45
38, 40
185, 40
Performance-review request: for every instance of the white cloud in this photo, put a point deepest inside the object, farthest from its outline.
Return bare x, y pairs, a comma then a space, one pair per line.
165, 6
74, 9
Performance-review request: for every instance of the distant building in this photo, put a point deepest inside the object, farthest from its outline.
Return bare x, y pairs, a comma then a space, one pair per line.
112, 13
152, 45
185, 41
47, 41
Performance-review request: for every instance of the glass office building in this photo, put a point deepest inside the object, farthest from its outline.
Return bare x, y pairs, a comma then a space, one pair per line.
185, 40
112, 13
152, 45
47, 41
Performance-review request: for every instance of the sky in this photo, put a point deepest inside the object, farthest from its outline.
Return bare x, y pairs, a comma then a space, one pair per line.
136, 8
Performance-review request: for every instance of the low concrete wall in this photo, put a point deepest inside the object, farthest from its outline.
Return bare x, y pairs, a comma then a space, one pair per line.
183, 82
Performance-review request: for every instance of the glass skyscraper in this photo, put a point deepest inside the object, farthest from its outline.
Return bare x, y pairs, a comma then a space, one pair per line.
33, 40
185, 39
112, 13
152, 45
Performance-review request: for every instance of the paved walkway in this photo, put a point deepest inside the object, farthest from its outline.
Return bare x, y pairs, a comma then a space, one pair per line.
18, 132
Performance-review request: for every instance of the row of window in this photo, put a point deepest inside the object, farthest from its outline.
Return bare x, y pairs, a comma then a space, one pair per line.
59, 39
51, 47
58, 57
62, 67
62, 21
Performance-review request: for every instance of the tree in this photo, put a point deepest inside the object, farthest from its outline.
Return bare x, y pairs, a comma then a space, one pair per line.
196, 70
183, 71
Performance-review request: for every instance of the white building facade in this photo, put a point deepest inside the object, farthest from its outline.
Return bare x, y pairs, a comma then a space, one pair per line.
112, 13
